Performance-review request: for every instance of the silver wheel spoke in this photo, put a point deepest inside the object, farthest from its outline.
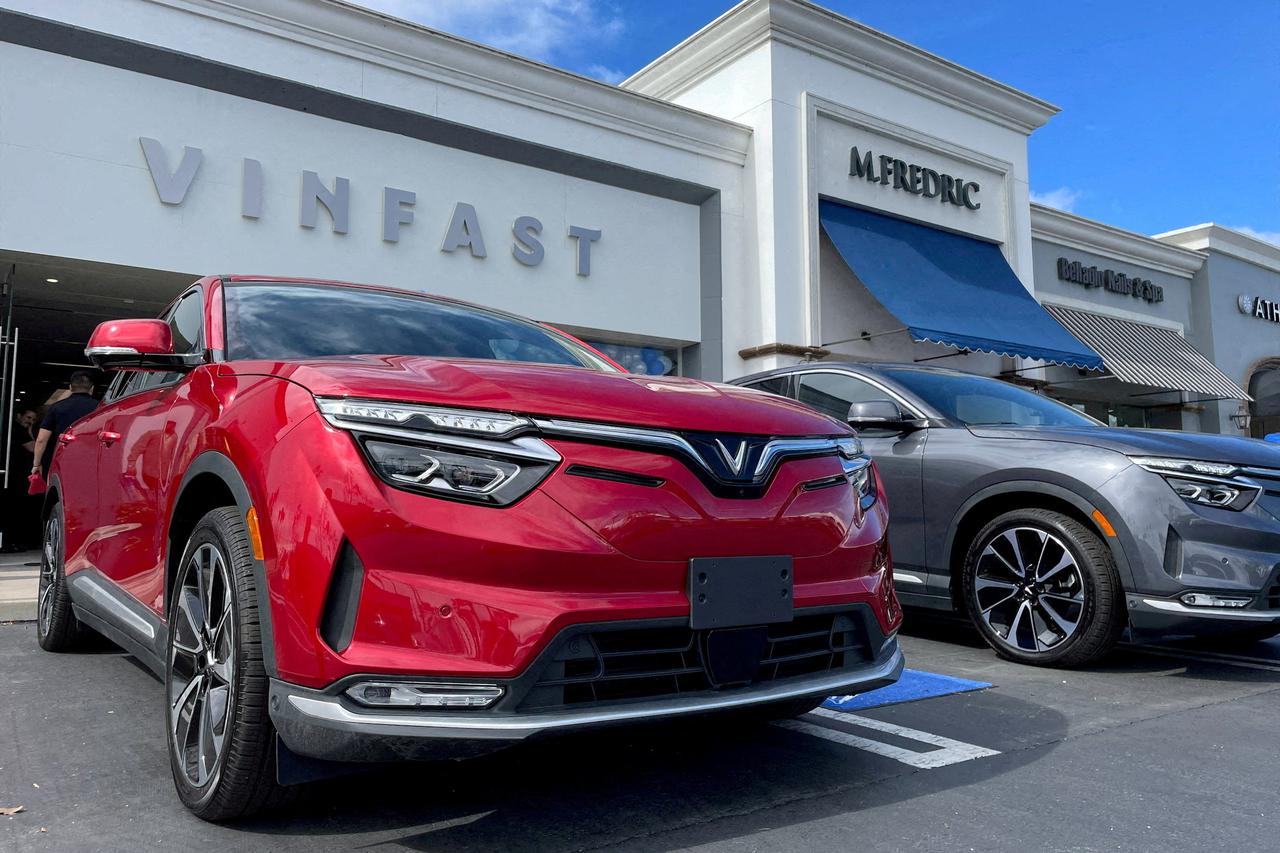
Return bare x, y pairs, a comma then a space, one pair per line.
181, 710
1034, 613
187, 634
206, 751
1016, 624
202, 661
1010, 597
1066, 627
1011, 536
992, 552
1066, 562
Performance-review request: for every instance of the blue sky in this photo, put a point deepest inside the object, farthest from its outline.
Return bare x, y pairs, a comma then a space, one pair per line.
1170, 111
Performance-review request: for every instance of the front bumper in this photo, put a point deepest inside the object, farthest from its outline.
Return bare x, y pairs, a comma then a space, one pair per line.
325, 724
1166, 616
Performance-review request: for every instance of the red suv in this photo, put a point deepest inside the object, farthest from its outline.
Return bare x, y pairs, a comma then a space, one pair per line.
385, 526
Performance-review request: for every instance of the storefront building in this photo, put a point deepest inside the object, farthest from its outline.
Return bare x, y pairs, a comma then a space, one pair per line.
1236, 292
784, 184
1132, 299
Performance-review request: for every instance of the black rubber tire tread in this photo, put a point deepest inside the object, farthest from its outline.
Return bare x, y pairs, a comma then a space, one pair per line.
245, 784
1105, 617
65, 633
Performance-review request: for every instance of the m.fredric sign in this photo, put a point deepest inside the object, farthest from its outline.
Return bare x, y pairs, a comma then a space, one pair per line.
915, 179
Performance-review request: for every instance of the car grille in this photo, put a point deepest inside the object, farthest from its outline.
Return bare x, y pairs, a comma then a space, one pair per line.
609, 665
1273, 595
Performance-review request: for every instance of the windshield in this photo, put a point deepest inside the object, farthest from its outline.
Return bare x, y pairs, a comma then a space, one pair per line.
979, 401
285, 321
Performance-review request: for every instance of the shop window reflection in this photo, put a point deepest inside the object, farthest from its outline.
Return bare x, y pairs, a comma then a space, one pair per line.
647, 361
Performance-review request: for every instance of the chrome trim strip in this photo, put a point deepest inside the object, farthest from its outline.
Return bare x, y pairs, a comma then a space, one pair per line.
90, 352
522, 447
106, 600
1232, 614
903, 576
329, 711
773, 450
632, 435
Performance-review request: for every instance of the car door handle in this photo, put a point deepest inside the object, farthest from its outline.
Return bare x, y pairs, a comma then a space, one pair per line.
108, 437
66, 438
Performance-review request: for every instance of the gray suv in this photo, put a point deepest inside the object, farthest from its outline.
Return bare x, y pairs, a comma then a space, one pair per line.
1052, 531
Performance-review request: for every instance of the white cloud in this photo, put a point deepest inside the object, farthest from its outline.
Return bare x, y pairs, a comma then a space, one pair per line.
1272, 237
1063, 198
551, 31
605, 74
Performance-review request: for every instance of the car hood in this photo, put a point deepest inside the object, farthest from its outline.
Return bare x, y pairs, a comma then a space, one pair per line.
553, 391
1150, 442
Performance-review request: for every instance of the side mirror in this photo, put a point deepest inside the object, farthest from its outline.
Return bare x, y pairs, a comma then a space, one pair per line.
879, 413
136, 345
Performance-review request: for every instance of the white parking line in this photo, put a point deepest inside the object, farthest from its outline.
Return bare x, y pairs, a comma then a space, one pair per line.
949, 751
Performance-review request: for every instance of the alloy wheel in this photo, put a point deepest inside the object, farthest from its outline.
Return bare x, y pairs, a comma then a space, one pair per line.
1030, 590
201, 677
50, 569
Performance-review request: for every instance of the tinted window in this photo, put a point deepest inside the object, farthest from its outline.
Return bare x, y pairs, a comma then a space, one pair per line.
832, 393
977, 400
185, 321
277, 321
780, 385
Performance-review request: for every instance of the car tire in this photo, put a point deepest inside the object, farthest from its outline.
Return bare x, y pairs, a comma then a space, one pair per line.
1062, 607
215, 679
57, 628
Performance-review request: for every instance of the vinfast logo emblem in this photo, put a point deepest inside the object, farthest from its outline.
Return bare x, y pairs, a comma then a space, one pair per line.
733, 460
730, 457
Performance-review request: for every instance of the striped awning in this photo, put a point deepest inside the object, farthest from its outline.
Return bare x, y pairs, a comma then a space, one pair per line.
1147, 355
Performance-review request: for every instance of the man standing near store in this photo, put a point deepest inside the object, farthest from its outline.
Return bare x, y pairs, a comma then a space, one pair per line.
60, 416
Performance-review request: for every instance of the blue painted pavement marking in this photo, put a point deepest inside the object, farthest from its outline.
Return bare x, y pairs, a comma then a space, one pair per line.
913, 685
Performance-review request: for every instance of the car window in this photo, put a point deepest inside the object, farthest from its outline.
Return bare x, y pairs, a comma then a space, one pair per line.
185, 320
780, 385
275, 320
833, 393
980, 401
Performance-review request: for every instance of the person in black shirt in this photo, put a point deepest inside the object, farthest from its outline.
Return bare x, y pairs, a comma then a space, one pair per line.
62, 415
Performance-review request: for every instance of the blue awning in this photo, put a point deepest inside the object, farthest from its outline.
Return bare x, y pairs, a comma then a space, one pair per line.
949, 289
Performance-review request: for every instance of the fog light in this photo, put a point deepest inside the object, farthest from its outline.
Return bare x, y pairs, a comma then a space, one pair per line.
408, 694
1203, 599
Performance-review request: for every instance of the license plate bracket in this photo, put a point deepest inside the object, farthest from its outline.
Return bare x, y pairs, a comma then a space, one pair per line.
733, 592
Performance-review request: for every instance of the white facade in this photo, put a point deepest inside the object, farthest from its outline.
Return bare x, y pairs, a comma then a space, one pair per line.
144, 143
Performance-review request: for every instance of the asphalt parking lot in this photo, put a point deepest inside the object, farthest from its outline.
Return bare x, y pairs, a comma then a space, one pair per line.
1169, 748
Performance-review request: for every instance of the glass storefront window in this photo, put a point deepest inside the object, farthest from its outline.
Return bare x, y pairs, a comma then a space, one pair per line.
1122, 415
649, 361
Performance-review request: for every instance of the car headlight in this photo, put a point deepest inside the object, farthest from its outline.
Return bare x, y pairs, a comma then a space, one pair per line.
457, 454
1215, 484
858, 471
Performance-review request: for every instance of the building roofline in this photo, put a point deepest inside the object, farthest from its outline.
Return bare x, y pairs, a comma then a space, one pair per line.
369, 36
818, 30
1088, 235
1212, 237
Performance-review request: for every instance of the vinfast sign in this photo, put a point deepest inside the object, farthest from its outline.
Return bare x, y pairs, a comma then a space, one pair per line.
463, 230
1116, 282
912, 178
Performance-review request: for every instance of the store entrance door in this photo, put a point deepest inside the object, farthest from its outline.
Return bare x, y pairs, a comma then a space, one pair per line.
1264, 388
8, 377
